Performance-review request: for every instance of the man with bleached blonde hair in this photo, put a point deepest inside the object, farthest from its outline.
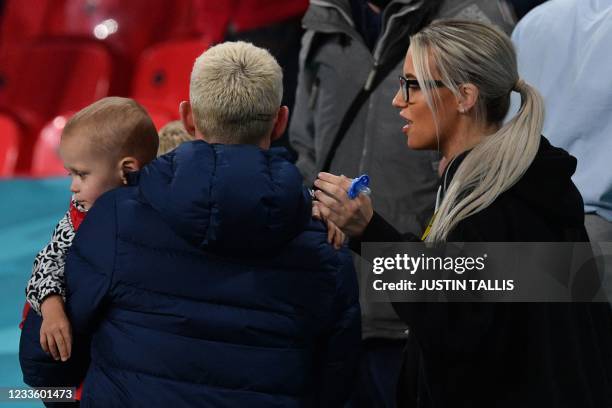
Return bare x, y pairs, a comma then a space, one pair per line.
207, 279
235, 96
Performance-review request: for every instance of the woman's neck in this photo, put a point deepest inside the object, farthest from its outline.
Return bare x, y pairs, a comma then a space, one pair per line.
466, 137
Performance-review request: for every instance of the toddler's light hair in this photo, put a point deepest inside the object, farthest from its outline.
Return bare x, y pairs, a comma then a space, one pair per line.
116, 127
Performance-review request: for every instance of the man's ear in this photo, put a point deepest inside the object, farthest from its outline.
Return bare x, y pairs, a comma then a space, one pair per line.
187, 117
468, 97
128, 164
280, 125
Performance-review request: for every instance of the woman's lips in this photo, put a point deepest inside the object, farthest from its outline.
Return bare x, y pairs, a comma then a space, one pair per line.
407, 126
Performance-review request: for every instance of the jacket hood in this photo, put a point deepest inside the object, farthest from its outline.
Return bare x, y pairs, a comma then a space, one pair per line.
225, 198
331, 15
546, 185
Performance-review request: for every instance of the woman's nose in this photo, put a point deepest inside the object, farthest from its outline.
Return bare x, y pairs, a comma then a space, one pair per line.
398, 100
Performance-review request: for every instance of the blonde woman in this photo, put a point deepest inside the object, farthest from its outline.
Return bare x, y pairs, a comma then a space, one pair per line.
502, 183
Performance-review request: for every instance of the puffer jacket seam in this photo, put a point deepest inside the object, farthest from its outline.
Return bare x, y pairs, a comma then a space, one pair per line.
209, 302
212, 204
111, 283
110, 367
221, 342
216, 258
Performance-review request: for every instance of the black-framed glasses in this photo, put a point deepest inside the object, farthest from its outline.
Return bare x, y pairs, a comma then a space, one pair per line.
407, 84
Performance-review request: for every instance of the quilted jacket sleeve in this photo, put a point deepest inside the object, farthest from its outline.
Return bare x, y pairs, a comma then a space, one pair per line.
88, 273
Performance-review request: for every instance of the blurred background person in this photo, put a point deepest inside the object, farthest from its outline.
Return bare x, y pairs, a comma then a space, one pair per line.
171, 136
574, 79
522, 7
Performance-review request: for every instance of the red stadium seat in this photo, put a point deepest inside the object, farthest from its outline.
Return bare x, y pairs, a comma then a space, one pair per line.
125, 28
128, 27
163, 72
21, 23
111, 21
46, 161
212, 18
161, 117
252, 14
9, 145
49, 78
181, 23
160, 114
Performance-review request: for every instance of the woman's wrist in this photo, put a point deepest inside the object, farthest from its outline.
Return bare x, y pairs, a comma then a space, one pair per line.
369, 214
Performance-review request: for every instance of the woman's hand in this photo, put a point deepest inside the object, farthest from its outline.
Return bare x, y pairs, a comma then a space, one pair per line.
333, 204
55, 330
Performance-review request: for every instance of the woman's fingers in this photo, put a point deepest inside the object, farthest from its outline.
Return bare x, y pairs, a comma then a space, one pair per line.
350, 216
340, 181
326, 199
330, 189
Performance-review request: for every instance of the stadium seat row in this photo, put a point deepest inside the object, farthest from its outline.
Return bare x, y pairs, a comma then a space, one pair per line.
45, 82
57, 56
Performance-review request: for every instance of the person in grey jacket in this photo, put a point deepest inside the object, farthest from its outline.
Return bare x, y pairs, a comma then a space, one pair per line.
352, 53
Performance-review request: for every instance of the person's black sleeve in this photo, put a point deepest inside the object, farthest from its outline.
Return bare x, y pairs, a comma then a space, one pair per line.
379, 230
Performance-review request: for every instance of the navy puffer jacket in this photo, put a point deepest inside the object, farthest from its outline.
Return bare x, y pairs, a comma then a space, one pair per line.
208, 284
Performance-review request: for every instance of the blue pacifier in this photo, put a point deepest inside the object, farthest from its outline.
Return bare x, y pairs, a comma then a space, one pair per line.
359, 185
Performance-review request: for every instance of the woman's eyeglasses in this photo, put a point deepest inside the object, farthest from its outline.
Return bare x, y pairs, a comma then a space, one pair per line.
407, 84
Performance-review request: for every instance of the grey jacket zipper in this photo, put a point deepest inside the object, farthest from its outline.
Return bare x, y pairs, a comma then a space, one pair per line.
372, 75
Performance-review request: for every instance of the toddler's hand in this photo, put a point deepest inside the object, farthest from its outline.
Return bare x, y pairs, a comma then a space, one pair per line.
335, 236
55, 331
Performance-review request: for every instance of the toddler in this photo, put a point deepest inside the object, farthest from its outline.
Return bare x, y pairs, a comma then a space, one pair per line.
99, 145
